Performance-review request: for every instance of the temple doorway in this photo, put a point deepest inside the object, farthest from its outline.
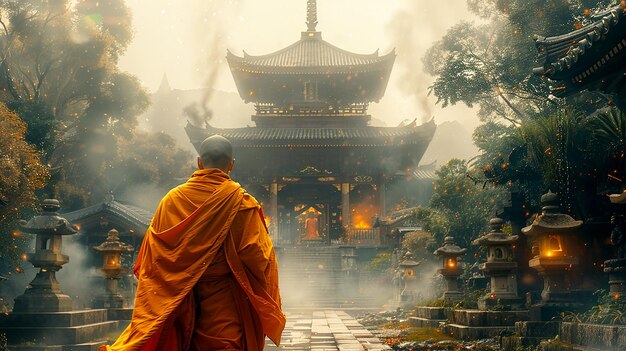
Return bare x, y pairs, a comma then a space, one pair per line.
308, 214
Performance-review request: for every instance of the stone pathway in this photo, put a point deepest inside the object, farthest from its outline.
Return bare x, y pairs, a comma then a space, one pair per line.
326, 331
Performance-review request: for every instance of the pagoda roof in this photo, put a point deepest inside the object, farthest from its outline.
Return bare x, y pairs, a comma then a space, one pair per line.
322, 136
311, 54
577, 56
128, 215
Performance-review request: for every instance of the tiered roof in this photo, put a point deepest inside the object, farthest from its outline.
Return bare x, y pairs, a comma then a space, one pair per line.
341, 137
341, 77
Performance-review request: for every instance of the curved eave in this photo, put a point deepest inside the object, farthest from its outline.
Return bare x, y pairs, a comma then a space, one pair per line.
375, 64
560, 54
257, 137
124, 215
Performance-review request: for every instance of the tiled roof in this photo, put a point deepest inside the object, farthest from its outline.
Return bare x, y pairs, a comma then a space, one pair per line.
309, 52
560, 53
373, 135
130, 214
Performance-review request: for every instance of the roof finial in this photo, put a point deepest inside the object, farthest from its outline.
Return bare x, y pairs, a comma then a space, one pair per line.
311, 15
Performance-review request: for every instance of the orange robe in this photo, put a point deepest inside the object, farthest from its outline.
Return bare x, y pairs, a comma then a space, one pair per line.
207, 272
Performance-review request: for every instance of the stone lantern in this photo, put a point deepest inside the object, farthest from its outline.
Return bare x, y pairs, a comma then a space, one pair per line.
408, 266
616, 268
451, 271
554, 237
112, 249
500, 267
44, 292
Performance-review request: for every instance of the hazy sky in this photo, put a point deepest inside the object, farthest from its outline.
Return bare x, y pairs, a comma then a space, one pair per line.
186, 38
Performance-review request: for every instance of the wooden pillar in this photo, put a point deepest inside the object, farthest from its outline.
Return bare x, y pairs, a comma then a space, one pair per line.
382, 199
274, 213
345, 204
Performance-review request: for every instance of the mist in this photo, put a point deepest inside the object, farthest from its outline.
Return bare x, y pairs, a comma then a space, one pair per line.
193, 38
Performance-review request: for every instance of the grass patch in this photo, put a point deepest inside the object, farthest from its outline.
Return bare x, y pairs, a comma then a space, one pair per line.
424, 334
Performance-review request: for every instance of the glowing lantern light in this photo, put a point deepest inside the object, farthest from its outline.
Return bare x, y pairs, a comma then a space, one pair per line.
451, 271
112, 249
554, 237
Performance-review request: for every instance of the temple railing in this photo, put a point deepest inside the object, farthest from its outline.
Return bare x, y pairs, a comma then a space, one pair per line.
268, 109
369, 236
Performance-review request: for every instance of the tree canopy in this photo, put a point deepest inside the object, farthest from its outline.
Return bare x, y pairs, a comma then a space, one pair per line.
21, 176
58, 70
488, 63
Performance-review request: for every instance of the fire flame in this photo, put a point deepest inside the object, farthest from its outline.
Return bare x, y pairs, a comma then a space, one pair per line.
362, 215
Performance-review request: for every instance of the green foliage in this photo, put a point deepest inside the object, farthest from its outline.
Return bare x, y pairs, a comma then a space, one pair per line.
380, 263
21, 175
469, 301
466, 204
3, 342
490, 63
420, 243
611, 309
573, 153
59, 64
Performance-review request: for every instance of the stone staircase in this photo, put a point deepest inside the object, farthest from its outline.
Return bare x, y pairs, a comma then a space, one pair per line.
313, 277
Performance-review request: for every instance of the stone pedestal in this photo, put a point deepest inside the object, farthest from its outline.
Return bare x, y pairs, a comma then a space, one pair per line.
452, 291
42, 319
43, 295
500, 267
112, 298
450, 253
616, 269
26, 330
350, 272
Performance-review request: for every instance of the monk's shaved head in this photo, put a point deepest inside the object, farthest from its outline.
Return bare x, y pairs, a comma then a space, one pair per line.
216, 152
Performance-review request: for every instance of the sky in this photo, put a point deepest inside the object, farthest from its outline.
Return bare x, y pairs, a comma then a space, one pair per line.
188, 39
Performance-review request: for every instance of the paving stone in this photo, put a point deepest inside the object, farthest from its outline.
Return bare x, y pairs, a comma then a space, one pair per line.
326, 331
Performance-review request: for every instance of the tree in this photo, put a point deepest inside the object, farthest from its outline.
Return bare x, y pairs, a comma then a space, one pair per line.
58, 70
489, 64
21, 175
466, 203
568, 151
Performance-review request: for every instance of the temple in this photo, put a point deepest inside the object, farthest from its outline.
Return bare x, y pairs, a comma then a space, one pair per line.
312, 158
589, 58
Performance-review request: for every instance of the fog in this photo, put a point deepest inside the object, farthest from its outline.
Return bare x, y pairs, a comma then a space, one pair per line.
187, 40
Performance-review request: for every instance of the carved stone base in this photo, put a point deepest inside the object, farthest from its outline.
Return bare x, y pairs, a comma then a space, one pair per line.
41, 301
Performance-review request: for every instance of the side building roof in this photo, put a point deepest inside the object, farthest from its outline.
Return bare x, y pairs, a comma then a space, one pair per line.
585, 57
123, 215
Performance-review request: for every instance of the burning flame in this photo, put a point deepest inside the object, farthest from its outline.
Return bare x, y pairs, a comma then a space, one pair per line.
451, 263
362, 215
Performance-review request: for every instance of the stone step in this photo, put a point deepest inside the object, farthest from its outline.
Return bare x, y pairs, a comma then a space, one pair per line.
59, 335
421, 322
477, 318
464, 332
47, 319
92, 346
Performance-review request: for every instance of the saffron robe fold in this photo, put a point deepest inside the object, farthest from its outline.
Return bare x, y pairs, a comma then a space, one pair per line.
207, 273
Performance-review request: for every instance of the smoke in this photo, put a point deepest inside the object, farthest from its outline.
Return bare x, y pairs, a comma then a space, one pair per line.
211, 24
413, 30
78, 279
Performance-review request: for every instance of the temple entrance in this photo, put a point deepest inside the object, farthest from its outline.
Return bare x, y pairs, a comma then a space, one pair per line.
308, 214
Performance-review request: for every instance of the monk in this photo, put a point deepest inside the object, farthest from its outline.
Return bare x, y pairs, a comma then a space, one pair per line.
207, 272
